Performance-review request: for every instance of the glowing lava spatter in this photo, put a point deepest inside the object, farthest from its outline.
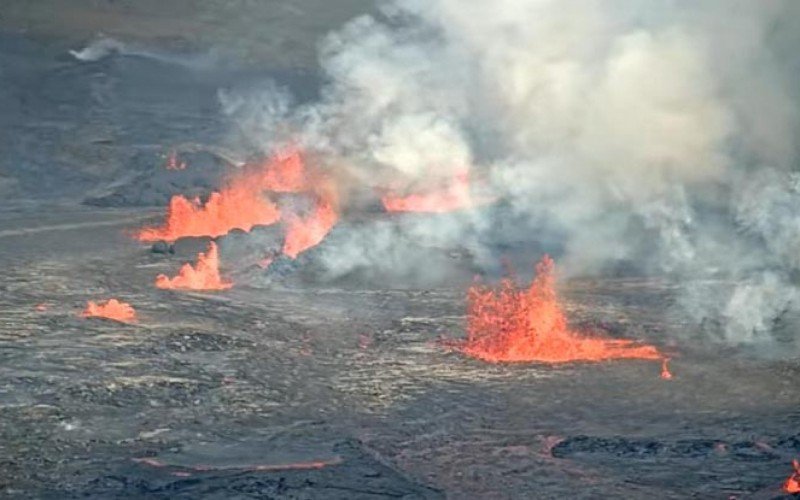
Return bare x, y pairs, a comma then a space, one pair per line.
305, 232
238, 206
509, 324
110, 309
455, 196
285, 173
203, 276
792, 484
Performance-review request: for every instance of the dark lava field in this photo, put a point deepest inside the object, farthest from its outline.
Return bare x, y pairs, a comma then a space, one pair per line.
293, 386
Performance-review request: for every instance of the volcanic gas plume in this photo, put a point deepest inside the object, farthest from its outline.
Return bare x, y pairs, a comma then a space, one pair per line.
110, 309
792, 484
507, 323
203, 276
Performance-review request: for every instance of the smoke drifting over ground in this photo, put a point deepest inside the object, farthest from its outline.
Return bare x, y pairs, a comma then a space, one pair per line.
661, 136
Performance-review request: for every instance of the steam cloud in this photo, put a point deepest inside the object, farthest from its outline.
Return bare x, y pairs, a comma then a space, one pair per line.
658, 133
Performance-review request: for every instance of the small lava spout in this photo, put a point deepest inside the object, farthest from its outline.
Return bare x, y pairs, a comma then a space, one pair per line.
455, 196
110, 309
203, 276
304, 232
792, 484
510, 324
665, 373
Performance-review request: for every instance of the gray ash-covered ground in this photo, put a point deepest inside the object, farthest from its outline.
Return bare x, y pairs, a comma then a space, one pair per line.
290, 386
212, 386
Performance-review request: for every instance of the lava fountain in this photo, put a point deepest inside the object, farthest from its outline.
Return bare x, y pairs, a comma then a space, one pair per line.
110, 309
510, 324
792, 484
241, 204
203, 276
304, 232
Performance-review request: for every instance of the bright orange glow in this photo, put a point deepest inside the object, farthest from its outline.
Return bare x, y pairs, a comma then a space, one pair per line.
243, 205
509, 324
455, 196
303, 233
285, 173
203, 276
238, 206
110, 309
792, 485
665, 373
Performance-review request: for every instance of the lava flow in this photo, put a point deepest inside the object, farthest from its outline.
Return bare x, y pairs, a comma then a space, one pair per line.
792, 485
203, 276
110, 309
509, 324
455, 196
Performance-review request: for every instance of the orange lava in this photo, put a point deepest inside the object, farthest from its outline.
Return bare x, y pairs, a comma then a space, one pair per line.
110, 309
665, 373
242, 204
792, 484
509, 324
236, 207
455, 196
203, 276
305, 232
285, 173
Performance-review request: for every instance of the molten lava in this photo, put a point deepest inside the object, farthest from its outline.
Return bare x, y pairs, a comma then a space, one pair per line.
203, 276
305, 232
455, 196
285, 173
792, 485
243, 205
239, 206
110, 309
665, 373
509, 324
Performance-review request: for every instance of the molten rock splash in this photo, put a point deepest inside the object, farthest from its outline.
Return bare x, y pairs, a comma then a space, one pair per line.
509, 324
239, 206
110, 309
303, 233
792, 485
242, 204
203, 276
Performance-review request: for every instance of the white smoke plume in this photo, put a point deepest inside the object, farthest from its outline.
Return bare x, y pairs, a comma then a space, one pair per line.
661, 133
